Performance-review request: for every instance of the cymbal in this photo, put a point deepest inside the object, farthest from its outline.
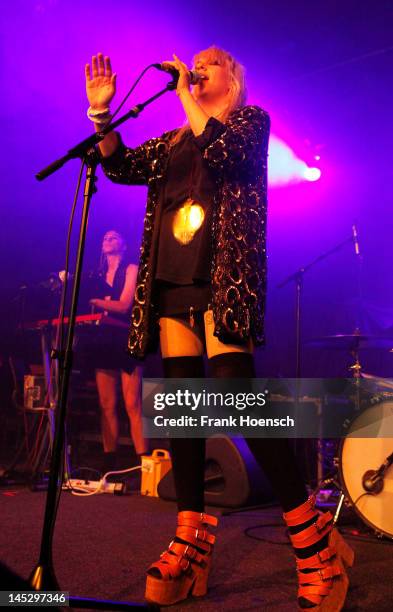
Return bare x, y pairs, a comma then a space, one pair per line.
379, 383
351, 342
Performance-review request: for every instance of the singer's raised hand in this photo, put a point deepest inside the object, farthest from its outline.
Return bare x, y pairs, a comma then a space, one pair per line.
100, 82
184, 78
196, 116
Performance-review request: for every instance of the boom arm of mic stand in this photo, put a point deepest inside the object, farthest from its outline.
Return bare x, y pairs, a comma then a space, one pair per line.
82, 147
297, 278
299, 273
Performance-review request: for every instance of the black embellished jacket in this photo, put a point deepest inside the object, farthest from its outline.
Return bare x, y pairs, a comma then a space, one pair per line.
236, 152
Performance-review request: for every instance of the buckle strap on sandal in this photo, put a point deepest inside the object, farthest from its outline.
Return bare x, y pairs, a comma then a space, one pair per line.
183, 569
187, 552
314, 593
170, 566
177, 559
197, 537
317, 560
302, 513
314, 532
187, 518
322, 575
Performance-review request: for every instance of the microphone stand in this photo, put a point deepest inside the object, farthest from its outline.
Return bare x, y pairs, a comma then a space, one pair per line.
43, 575
297, 278
82, 147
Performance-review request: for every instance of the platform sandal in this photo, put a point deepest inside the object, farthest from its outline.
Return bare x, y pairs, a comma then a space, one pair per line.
323, 580
183, 569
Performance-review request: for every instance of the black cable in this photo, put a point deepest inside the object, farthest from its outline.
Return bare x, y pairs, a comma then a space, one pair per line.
60, 333
347, 532
130, 91
86, 469
386, 541
360, 497
266, 540
128, 95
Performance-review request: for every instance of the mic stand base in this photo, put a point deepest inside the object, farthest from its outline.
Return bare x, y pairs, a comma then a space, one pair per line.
43, 578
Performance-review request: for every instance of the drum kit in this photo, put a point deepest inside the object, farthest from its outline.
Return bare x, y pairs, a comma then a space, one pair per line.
363, 470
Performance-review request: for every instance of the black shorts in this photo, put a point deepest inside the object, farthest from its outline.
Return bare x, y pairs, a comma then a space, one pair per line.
178, 299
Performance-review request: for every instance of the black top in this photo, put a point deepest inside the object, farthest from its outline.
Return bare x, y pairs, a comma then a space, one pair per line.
116, 289
105, 346
185, 257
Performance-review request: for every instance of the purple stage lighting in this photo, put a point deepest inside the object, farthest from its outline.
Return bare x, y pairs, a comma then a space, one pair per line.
285, 167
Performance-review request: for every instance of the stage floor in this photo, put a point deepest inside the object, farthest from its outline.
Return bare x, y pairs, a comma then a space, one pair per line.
103, 545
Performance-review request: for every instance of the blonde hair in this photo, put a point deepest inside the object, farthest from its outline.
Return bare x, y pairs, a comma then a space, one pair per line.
237, 90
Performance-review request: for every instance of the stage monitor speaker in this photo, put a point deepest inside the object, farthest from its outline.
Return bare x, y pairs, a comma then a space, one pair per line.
232, 476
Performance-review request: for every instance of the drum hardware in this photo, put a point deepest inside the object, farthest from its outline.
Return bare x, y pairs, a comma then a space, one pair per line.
364, 473
353, 343
383, 387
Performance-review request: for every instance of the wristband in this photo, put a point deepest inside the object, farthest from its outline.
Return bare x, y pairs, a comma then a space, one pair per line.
99, 116
96, 113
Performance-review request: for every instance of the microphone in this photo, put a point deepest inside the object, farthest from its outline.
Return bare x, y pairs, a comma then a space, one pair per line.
355, 239
195, 77
373, 480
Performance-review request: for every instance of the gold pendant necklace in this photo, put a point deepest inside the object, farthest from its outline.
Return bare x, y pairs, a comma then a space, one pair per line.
187, 221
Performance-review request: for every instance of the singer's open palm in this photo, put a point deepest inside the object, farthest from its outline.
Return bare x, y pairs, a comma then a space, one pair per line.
100, 82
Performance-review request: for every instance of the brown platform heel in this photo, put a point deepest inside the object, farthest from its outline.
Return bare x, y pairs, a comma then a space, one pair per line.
323, 581
182, 570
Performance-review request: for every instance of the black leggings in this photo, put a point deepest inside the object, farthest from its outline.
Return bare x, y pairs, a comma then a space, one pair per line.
274, 455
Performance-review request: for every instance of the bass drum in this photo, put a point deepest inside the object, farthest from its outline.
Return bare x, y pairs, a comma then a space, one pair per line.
368, 443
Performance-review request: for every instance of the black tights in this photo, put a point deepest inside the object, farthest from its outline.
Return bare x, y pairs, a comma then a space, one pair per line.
274, 455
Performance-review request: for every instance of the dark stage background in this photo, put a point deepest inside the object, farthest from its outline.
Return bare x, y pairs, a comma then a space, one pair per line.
323, 70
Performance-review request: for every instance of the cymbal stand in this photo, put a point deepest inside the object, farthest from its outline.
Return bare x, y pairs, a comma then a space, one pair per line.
356, 368
297, 278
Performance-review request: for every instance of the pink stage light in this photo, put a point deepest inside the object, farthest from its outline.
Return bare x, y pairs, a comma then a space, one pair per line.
285, 167
312, 174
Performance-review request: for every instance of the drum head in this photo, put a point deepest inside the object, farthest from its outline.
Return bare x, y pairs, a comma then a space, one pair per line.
358, 455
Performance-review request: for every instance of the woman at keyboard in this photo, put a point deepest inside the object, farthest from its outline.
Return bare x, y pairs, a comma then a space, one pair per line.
109, 358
